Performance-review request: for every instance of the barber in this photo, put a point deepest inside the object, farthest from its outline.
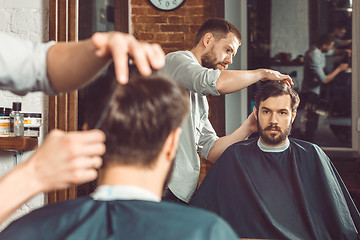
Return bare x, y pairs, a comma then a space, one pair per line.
65, 158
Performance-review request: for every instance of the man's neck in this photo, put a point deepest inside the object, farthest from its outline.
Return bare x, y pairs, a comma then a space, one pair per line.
145, 178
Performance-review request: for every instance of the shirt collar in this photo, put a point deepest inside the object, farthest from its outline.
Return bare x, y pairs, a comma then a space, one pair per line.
265, 148
192, 56
109, 193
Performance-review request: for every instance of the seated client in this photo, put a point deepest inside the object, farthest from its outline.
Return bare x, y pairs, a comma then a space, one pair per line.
142, 126
273, 187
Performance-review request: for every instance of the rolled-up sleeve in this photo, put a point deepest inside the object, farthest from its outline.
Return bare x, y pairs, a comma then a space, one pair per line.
23, 66
207, 139
191, 74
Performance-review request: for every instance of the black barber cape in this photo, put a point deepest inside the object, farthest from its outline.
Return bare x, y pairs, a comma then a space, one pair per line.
85, 218
293, 194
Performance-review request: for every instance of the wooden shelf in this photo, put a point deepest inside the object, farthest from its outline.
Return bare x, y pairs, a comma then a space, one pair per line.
18, 143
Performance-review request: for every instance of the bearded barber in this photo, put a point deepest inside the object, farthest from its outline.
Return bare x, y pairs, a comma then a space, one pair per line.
203, 71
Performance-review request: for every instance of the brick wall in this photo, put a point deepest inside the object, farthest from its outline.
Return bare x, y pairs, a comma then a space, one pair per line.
173, 30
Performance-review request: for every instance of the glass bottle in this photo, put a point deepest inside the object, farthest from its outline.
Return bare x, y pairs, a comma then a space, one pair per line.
16, 121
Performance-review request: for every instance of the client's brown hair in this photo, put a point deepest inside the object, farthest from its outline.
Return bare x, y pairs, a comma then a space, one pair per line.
275, 89
140, 117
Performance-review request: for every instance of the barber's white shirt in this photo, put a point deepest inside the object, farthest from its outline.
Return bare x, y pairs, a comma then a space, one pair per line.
197, 136
23, 66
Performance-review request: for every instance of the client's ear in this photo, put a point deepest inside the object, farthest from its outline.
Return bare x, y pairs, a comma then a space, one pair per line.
171, 143
293, 116
255, 112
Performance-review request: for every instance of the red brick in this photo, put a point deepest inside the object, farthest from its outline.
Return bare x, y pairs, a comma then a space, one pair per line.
152, 28
144, 36
191, 20
175, 19
194, 28
177, 37
190, 36
196, 2
174, 28
149, 19
138, 3
179, 11
194, 11
161, 37
139, 27
138, 11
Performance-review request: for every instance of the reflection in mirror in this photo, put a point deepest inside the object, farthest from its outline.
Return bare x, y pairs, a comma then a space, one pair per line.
310, 41
94, 16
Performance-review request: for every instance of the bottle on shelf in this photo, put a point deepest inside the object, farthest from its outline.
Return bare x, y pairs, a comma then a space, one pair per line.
16, 121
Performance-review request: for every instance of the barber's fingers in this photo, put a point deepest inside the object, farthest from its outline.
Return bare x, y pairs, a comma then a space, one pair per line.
89, 136
288, 80
83, 169
93, 162
157, 56
86, 143
115, 44
120, 46
147, 56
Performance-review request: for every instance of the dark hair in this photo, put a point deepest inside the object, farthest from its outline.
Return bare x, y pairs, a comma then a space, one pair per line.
219, 28
275, 89
139, 117
326, 39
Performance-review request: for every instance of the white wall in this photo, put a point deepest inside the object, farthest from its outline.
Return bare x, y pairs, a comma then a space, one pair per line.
236, 103
289, 27
27, 19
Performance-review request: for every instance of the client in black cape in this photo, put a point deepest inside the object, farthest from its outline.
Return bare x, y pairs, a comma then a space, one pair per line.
273, 187
142, 122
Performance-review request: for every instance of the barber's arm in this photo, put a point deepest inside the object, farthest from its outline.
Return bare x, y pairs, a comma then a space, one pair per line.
62, 160
234, 80
240, 134
333, 74
71, 65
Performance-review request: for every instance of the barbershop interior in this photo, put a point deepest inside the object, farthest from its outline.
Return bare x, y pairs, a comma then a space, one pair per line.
276, 34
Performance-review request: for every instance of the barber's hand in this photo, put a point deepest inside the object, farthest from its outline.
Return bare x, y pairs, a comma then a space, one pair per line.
251, 123
67, 158
120, 46
343, 67
277, 76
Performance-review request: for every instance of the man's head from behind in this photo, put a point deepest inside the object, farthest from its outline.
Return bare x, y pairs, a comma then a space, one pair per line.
275, 110
142, 115
219, 41
325, 42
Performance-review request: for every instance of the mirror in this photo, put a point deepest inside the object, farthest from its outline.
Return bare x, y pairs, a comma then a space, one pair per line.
280, 32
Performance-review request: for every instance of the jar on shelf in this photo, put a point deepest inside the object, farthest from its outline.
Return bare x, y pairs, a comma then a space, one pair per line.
32, 124
4, 122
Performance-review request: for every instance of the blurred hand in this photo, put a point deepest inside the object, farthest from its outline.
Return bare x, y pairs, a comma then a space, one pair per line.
120, 46
277, 76
343, 66
67, 158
